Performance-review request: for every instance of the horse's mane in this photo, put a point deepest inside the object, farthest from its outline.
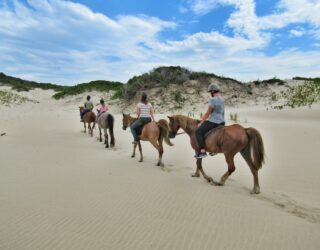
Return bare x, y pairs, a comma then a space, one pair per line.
187, 123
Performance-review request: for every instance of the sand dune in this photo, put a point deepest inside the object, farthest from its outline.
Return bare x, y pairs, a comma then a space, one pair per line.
61, 189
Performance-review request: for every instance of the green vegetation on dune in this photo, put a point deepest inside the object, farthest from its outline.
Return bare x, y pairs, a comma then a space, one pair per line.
158, 77
306, 78
99, 85
7, 98
162, 77
273, 80
301, 95
62, 91
24, 85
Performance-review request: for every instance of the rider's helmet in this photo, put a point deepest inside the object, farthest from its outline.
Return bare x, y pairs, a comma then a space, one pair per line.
213, 88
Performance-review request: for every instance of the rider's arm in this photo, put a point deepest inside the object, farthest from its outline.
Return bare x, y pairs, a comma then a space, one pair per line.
138, 111
206, 115
151, 113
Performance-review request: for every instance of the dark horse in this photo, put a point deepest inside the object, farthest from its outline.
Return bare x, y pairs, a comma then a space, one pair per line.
154, 132
228, 140
89, 117
106, 121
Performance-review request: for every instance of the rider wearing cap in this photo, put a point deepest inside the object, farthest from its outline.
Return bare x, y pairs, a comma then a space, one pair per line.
213, 118
88, 106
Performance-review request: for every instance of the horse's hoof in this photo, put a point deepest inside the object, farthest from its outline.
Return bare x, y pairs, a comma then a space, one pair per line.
140, 160
158, 164
255, 191
107, 146
132, 156
195, 175
220, 183
214, 183
209, 179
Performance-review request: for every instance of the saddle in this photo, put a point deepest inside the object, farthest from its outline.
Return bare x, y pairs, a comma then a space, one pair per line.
139, 129
214, 129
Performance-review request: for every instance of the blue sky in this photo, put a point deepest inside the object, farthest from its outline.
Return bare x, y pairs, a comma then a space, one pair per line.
69, 42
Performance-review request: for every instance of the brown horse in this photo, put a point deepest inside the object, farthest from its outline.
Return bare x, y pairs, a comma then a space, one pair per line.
228, 140
154, 132
89, 118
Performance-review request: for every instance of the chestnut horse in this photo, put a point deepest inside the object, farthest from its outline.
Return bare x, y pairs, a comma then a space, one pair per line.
228, 140
154, 132
89, 118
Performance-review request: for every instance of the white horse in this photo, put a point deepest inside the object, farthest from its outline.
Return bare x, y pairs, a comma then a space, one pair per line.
106, 121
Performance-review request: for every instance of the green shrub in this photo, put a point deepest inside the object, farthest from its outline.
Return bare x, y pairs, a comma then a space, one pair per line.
273, 80
274, 96
7, 98
99, 85
302, 95
234, 117
24, 85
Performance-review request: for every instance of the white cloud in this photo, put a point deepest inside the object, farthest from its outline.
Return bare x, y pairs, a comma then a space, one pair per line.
292, 12
297, 32
65, 42
202, 7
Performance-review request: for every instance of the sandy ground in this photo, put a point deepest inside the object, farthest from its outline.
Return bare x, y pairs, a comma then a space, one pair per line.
61, 189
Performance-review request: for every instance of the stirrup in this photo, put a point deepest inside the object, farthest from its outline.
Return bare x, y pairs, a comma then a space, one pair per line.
201, 155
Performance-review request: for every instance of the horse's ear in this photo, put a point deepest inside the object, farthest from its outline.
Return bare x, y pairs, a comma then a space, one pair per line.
170, 117
123, 114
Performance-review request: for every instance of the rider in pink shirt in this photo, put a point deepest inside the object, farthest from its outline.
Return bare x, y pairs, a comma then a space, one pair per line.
103, 108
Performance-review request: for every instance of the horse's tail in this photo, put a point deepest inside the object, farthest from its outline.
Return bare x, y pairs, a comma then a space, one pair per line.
164, 131
110, 120
255, 149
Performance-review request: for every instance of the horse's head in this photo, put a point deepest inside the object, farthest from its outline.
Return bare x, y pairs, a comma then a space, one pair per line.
173, 126
126, 121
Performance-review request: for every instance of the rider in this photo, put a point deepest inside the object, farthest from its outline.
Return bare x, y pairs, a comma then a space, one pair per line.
213, 118
145, 112
103, 108
88, 106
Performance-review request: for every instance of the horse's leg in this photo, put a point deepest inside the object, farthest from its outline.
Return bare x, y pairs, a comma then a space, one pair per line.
85, 127
197, 173
92, 129
89, 128
231, 169
134, 150
140, 150
112, 140
256, 187
160, 150
199, 166
246, 155
106, 138
160, 163
100, 135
